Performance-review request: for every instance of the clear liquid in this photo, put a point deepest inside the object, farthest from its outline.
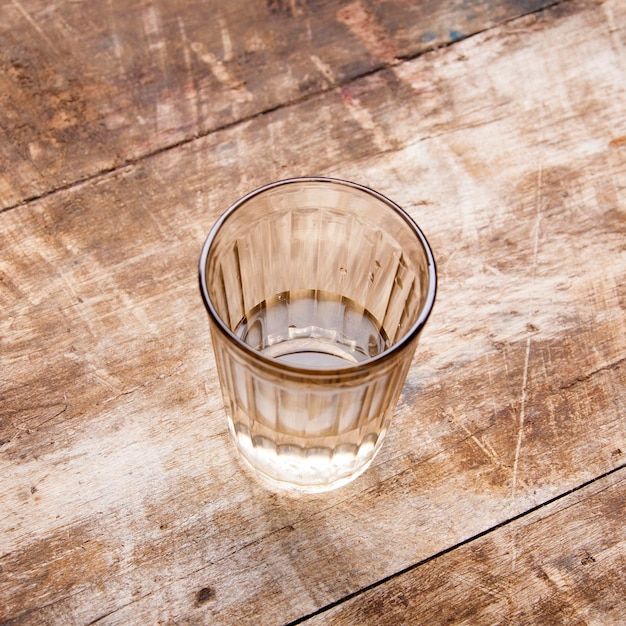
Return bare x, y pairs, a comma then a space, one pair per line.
303, 438
313, 329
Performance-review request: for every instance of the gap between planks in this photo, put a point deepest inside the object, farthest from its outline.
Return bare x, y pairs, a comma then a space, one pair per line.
399, 60
460, 544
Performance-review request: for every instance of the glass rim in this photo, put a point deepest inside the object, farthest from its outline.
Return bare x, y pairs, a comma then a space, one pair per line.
362, 367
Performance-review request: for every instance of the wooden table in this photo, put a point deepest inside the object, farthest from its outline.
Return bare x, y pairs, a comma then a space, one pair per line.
499, 496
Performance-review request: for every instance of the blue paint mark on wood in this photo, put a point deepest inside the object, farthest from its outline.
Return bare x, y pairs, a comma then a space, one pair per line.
455, 35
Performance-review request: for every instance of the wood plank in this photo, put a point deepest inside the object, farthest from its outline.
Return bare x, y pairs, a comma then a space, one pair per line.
122, 499
565, 563
87, 87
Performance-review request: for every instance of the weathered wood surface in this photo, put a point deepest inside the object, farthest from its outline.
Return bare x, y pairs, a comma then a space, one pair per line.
121, 499
88, 86
563, 564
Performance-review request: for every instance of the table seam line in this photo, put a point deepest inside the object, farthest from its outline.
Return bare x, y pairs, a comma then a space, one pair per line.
460, 544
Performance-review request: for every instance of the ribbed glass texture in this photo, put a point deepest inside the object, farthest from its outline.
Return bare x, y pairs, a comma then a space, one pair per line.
317, 291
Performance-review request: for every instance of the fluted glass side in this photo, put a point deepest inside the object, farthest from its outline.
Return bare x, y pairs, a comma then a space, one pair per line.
317, 291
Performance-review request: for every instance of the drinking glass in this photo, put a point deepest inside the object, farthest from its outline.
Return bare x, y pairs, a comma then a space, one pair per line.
317, 291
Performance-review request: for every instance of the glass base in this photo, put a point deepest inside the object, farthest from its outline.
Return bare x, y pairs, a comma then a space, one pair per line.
300, 470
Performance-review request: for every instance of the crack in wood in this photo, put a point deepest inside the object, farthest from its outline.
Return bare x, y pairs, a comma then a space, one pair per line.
613, 365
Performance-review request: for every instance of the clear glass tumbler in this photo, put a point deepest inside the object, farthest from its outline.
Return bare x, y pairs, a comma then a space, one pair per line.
317, 291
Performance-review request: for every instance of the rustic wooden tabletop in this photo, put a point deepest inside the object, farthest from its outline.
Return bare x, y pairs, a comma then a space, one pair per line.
499, 496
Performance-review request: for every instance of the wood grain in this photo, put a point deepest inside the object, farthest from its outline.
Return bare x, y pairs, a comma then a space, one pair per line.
122, 500
87, 87
564, 563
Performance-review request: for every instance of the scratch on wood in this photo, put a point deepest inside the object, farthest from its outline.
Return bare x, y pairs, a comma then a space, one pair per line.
581, 379
614, 31
154, 34
28, 425
530, 329
537, 220
324, 69
26, 15
157, 42
221, 73
364, 119
117, 47
103, 378
191, 83
490, 453
296, 11
514, 552
486, 447
49, 419
364, 25
522, 410
227, 44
